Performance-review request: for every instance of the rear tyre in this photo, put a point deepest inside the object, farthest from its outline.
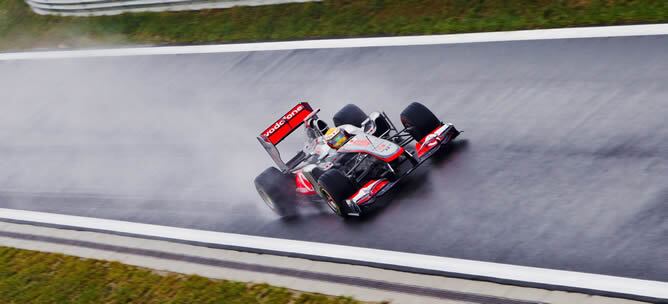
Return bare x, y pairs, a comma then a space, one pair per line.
420, 120
277, 191
336, 188
350, 114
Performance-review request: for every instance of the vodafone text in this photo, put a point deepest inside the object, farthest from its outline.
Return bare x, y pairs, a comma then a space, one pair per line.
282, 121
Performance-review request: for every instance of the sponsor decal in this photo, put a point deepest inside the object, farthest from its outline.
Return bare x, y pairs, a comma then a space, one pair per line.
383, 147
360, 141
282, 121
288, 123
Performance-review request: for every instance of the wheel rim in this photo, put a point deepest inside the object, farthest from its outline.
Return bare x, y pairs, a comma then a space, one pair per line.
331, 203
267, 200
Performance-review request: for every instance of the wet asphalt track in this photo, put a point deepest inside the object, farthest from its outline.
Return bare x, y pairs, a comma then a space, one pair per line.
563, 163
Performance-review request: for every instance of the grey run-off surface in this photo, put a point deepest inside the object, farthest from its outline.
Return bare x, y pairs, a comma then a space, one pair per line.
562, 164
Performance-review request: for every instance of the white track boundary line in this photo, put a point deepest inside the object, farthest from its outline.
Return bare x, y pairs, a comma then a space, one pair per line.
563, 33
620, 285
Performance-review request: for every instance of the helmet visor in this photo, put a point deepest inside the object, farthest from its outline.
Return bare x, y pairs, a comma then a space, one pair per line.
338, 140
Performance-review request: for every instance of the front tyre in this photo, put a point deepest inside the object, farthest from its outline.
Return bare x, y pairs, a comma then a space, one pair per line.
277, 190
336, 188
419, 120
350, 114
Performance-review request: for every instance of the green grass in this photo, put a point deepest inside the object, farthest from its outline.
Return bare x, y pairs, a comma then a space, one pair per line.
37, 277
21, 29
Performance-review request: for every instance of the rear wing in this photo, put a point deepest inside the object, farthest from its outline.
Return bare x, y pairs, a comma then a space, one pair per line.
287, 124
283, 127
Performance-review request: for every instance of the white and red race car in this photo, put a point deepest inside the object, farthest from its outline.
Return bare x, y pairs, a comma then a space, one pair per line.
373, 157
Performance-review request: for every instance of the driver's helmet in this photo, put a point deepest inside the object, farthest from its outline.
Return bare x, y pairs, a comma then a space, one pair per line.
336, 137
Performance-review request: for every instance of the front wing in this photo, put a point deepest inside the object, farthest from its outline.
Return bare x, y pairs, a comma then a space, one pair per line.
425, 148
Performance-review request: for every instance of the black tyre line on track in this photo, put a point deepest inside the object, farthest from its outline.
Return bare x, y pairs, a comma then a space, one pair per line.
562, 164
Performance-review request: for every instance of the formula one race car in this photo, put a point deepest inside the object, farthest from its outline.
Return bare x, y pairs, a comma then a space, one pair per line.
351, 165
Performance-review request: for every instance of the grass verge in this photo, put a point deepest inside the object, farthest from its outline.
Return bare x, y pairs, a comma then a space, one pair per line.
37, 277
22, 29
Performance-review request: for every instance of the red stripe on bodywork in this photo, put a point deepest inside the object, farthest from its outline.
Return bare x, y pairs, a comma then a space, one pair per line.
422, 147
303, 185
371, 191
394, 156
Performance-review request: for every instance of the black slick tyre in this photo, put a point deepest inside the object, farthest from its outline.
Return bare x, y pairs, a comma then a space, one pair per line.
350, 114
420, 120
277, 191
336, 188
